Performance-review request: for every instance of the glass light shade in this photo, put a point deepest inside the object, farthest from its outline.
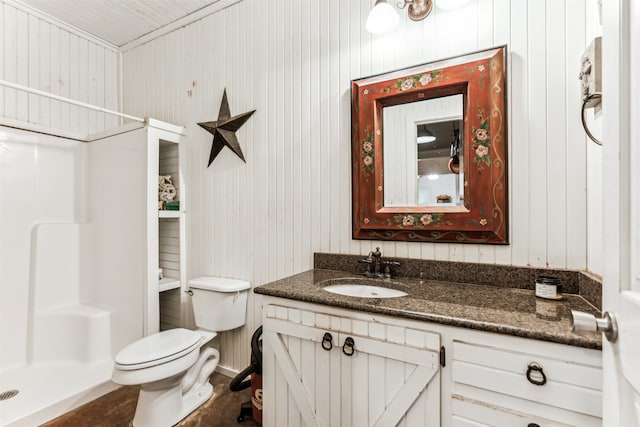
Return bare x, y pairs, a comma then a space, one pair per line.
424, 135
382, 18
426, 139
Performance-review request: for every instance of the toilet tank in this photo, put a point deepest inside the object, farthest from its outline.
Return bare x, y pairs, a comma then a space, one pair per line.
219, 304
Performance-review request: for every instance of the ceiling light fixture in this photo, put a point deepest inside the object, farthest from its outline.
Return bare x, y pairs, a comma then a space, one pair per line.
424, 135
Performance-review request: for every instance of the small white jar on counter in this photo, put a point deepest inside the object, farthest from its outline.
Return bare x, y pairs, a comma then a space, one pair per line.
548, 287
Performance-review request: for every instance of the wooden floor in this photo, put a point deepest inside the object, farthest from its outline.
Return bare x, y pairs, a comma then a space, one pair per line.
116, 409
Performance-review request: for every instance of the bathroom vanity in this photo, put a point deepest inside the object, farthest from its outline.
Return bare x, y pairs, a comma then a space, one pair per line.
445, 354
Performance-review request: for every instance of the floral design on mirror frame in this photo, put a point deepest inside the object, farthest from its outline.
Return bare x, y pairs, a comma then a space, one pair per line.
417, 80
420, 220
480, 67
481, 141
367, 154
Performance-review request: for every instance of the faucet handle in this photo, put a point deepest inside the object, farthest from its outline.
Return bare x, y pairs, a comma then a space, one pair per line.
387, 267
394, 263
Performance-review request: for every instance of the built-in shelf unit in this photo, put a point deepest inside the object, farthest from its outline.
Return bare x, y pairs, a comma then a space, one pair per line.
171, 242
126, 163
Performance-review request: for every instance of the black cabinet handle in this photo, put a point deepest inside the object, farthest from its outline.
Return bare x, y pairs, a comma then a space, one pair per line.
327, 341
535, 374
533, 425
347, 348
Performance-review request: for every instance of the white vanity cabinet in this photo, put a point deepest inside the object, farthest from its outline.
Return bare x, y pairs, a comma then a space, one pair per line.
395, 376
314, 376
507, 381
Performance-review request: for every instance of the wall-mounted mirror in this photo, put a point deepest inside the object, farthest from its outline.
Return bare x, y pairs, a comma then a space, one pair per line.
429, 152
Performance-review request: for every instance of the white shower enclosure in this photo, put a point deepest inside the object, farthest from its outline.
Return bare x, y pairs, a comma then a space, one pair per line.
78, 261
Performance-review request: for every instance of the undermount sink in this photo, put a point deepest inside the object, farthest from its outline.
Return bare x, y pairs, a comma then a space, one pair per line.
365, 291
362, 288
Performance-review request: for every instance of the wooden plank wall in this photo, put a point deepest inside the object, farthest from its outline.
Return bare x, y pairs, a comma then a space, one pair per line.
42, 53
292, 61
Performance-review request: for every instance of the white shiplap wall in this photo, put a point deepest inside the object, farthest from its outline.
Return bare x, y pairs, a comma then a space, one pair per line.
42, 53
169, 241
293, 61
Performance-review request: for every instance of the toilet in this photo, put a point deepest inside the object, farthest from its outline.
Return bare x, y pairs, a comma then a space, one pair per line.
173, 367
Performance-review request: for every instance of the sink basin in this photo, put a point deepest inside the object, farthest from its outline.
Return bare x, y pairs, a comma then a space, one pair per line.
364, 291
364, 288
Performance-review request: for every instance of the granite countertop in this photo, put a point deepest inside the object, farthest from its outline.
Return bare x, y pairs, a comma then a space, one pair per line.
502, 310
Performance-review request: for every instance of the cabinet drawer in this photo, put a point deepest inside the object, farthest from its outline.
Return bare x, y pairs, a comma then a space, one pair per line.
472, 413
569, 385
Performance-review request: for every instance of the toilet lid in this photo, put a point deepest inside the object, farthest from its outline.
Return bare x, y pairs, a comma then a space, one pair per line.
158, 348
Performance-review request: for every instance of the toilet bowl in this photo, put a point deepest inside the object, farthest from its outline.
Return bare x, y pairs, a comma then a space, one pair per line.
173, 367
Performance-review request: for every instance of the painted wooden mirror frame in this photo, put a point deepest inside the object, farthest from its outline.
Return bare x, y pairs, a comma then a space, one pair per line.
480, 78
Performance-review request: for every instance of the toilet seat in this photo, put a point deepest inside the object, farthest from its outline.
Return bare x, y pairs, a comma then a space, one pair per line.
157, 349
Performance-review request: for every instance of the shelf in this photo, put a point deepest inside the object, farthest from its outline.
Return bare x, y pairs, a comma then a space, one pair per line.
168, 214
168, 283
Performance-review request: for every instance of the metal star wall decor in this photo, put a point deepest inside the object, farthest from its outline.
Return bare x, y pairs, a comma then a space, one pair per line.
224, 130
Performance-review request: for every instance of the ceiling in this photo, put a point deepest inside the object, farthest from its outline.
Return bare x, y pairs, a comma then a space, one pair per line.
119, 21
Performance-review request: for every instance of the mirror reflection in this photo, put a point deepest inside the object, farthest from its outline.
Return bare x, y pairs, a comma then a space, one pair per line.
422, 151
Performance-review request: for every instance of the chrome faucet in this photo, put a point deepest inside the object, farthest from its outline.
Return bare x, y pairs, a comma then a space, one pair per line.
375, 262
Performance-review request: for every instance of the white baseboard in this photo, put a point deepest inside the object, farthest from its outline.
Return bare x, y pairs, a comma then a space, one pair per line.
227, 372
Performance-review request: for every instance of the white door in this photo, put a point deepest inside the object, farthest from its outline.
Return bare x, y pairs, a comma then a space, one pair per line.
621, 207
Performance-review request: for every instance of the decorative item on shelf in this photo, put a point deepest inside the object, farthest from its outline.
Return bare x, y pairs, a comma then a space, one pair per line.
224, 130
173, 205
443, 198
166, 189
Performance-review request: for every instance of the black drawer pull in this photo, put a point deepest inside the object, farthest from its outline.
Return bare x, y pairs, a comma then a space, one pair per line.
535, 374
533, 425
347, 348
327, 341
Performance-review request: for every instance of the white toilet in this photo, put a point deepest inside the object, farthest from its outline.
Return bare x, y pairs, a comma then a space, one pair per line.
170, 368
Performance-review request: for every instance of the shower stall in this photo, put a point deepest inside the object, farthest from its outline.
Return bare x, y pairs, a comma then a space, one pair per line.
74, 263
